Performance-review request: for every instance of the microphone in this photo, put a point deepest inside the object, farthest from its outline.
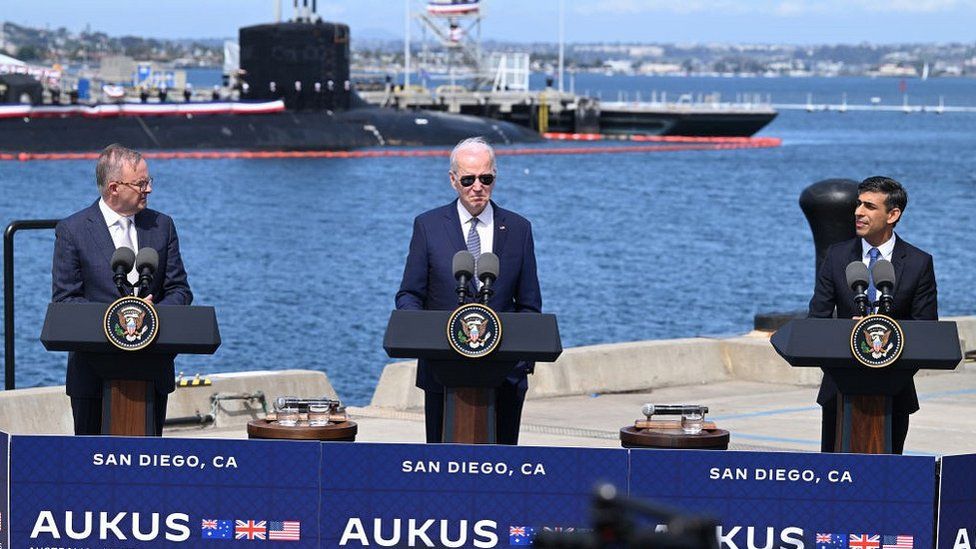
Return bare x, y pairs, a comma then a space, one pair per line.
463, 267
487, 274
122, 260
857, 280
884, 280
146, 262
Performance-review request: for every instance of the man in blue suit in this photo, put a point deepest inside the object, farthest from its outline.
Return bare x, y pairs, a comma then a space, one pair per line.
881, 202
81, 272
475, 223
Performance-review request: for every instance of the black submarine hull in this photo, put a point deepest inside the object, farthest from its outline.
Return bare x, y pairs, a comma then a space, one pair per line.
289, 131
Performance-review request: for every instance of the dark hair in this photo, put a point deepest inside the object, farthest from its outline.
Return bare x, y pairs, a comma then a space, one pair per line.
895, 195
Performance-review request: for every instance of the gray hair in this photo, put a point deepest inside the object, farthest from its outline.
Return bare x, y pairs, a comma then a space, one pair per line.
472, 143
110, 162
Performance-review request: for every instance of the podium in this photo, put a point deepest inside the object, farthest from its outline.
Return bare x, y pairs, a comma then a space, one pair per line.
865, 394
129, 392
469, 404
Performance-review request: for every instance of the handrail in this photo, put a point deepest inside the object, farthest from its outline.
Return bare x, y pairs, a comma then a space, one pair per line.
8, 289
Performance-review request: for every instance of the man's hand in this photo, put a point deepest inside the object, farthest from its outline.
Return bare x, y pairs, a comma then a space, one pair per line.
148, 298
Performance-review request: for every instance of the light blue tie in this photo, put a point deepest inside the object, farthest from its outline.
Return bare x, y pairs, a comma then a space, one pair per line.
474, 245
874, 254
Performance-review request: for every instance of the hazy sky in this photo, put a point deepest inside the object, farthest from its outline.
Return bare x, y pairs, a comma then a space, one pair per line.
753, 21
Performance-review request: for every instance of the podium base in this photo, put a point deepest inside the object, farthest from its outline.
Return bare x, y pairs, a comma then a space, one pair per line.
864, 424
128, 408
469, 415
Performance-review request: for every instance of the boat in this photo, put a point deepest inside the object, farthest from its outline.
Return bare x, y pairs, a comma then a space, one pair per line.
293, 94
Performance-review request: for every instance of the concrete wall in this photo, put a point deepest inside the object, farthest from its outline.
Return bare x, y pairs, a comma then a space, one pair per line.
47, 410
643, 365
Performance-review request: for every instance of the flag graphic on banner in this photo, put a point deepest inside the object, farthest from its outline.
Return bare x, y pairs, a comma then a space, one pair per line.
250, 529
898, 542
285, 530
864, 541
831, 541
217, 529
520, 535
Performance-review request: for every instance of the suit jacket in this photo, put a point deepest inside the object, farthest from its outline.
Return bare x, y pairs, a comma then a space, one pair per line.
428, 278
81, 272
916, 298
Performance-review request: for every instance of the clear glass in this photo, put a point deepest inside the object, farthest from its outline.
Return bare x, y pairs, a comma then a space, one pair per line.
692, 418
339, 414
286, 411
318, 413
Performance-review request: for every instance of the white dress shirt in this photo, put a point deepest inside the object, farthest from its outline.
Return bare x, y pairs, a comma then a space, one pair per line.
119, 237
886, 249
485, 228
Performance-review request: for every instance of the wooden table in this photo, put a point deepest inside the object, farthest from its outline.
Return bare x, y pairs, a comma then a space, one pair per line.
708, 439
262, 428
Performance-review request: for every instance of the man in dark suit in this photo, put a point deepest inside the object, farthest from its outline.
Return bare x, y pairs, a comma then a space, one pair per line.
475, 223
81, 272
880, 204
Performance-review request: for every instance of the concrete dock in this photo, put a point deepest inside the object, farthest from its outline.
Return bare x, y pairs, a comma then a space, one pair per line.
583, 399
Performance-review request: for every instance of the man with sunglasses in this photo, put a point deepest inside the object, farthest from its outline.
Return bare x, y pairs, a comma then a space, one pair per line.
472, 222
81, 272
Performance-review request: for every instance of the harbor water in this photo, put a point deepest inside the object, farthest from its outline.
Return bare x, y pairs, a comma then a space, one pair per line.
302, 257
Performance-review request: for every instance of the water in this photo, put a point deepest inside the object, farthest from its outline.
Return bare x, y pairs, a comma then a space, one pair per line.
302, 257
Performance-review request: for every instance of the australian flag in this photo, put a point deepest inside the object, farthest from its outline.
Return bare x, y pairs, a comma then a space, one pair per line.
520, 535
217, 529
831, 541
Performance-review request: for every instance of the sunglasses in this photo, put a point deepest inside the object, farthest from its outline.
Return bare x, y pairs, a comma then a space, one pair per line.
468, 180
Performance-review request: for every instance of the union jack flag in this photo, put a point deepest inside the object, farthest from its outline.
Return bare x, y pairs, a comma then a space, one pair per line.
250, 529
864, 541
898, 542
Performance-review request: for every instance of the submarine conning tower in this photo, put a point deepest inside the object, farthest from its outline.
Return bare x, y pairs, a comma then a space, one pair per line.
304, 62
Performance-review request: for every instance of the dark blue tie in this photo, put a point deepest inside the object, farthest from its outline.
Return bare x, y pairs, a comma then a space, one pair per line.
874, 254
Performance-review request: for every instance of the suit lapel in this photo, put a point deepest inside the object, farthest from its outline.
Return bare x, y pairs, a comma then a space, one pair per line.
501, 230
142, 232
452, 226
99, 233
898, 260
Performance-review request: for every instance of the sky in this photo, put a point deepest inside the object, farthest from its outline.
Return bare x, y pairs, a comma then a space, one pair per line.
670, 21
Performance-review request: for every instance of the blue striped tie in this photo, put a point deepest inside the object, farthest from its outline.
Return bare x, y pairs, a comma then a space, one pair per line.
874, 254
474, 245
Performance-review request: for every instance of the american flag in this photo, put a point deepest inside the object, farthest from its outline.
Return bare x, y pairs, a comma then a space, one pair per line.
250, 529
898, 542
285, 530
864, 541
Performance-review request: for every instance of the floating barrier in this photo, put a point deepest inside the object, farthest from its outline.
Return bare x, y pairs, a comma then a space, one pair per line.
667, 144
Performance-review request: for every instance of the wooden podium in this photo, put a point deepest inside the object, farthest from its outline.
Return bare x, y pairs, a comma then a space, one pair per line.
469, 402
865, 394
129, 393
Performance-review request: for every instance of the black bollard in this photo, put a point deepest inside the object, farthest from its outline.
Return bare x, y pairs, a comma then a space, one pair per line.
829, 207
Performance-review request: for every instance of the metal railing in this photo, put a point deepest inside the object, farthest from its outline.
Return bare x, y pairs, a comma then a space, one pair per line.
8, 290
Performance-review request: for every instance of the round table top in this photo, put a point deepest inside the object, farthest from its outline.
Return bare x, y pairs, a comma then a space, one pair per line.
711, 439
262, 428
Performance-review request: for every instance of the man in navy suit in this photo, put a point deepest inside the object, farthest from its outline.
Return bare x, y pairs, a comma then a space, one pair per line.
472, 220
880, 204
81, 272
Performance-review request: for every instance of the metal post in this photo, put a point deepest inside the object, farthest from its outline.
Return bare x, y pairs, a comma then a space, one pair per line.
406, 46
8, 290
562, 40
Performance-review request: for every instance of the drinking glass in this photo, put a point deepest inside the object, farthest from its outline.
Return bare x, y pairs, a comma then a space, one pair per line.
318, 413
286, 408
692, 418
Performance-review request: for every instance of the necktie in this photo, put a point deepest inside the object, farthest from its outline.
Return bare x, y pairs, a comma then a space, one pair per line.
126, 241
874, 254
474, 245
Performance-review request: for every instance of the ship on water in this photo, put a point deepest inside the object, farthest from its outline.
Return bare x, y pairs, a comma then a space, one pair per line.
294, 93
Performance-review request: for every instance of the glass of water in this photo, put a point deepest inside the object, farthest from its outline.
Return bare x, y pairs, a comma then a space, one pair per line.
318, 413
286, 409
692, 418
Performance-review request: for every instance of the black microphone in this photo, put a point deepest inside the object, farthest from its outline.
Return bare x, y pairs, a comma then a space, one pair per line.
857, 280
884, 280
487, 274
122, 260
147, 260
463, 267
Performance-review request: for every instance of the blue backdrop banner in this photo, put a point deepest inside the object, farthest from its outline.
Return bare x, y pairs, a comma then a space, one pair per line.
957, 503
767, 500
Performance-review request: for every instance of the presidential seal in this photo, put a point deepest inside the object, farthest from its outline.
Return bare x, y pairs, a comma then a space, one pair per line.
877, 341
131, 323
474, 330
